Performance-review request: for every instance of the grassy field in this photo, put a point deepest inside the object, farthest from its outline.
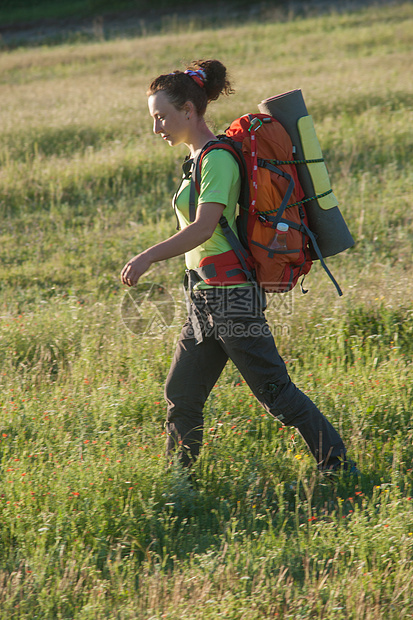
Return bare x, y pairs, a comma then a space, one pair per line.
92, 526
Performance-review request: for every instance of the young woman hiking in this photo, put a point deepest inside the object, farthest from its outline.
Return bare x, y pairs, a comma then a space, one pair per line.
225, 320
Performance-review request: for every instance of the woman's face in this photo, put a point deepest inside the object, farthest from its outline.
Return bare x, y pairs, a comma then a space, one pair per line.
170, 123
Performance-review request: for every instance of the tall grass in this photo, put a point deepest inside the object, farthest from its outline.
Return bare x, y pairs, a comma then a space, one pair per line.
92, 524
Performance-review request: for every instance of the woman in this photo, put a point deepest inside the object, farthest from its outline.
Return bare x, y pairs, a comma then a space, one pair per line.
225, 320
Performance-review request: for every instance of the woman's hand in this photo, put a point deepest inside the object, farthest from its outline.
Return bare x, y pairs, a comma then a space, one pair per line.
134, 269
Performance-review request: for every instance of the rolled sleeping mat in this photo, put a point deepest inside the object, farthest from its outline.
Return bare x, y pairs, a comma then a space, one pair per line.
324, 217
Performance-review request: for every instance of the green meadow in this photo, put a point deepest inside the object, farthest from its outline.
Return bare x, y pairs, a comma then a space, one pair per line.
92, 524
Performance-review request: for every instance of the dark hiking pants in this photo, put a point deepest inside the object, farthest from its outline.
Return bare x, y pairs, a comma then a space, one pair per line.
233, 326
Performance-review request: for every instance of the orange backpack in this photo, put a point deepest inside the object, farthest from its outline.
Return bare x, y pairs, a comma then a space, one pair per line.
270, 195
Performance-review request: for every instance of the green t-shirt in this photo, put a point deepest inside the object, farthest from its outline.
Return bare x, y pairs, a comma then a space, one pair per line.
220, 182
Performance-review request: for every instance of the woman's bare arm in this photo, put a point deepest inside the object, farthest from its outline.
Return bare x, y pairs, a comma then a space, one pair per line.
196, 233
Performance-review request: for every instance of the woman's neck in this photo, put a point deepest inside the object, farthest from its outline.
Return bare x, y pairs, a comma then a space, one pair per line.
199, 137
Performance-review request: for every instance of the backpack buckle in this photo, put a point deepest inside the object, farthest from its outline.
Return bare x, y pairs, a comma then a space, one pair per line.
264, 220
254, 121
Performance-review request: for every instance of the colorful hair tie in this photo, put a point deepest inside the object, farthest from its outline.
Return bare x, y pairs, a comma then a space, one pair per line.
198, 76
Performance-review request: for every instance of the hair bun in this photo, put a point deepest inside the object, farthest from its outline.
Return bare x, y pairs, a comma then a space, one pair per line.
216, 81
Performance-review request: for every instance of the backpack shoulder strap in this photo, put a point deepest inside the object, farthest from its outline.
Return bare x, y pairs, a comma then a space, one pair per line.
235, 148
226, 144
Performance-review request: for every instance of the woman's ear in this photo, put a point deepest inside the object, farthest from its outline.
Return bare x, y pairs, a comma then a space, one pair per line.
189, 109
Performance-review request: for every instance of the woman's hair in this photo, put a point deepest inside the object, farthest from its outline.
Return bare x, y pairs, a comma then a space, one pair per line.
202, 82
